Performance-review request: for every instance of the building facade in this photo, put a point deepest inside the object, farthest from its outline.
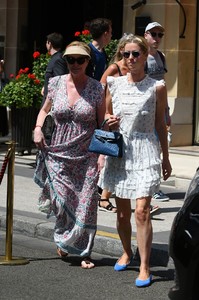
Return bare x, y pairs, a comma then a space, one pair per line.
24, 25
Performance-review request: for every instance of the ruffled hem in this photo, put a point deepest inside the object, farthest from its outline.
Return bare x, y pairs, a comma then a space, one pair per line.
137, 173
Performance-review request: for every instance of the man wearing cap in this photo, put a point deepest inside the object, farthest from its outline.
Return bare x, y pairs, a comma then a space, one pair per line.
156, 68
156, 63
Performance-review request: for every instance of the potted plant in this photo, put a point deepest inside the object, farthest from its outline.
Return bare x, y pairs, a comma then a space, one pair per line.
23, 96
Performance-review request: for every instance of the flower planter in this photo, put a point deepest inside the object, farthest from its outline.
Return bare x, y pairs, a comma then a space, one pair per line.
22, 122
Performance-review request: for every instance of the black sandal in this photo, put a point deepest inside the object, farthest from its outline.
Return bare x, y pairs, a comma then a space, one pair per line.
108, 208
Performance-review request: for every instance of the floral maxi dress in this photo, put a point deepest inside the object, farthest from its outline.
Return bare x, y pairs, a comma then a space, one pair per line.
67, 172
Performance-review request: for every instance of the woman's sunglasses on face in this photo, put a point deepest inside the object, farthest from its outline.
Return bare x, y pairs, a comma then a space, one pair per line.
155, 34
79, 60
127, 54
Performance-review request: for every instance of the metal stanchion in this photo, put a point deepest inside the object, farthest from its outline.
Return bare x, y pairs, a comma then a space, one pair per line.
8, 259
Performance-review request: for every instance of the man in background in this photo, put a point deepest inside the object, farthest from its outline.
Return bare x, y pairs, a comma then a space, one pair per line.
156, 68
101, 32
57, 65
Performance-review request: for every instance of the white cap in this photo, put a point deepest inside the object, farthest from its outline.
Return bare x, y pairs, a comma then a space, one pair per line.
153, 25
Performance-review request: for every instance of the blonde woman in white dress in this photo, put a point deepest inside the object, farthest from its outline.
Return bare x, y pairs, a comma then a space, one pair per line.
135, 105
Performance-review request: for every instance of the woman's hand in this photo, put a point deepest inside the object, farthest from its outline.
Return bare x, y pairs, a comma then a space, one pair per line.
166, 168
42, 91
39, 139
113, 122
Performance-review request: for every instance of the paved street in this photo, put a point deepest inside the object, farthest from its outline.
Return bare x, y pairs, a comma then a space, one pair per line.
29, 221
47, 277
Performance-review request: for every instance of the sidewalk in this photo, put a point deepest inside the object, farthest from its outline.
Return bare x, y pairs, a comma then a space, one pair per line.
29, 221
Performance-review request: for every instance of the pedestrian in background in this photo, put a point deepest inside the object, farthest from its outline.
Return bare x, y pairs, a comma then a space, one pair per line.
156, 68
135, 105
101, 32
66, 171
56, 65
116, 68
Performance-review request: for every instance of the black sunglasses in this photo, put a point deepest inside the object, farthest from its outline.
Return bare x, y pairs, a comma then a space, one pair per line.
71, 60
155, 34
135, 54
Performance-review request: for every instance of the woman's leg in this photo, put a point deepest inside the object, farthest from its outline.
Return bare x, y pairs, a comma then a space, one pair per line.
104, 202
124, 228
144, 235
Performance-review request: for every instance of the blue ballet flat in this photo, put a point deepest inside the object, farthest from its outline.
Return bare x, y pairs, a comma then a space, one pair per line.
143, 283
118, 267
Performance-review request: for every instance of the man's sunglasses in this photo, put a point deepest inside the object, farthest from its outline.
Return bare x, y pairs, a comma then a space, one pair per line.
135, 54
155, 34
71, 60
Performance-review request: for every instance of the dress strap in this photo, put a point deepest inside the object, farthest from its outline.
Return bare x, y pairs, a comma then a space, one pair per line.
118, 68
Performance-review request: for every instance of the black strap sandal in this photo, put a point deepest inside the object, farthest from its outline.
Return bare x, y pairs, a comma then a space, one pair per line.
108, 208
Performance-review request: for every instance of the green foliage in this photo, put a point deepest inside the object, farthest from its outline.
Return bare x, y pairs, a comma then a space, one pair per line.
111, 49
85, 37
24, 90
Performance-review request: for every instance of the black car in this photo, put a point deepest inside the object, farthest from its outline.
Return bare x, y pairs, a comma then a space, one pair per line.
184, 246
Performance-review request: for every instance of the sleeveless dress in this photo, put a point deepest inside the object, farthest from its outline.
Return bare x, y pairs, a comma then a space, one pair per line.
138, 173
67, 172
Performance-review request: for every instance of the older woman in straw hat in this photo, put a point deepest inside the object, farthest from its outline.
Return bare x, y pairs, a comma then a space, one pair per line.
66, 171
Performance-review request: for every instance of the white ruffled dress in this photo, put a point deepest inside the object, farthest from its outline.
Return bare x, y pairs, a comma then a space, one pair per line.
138, 173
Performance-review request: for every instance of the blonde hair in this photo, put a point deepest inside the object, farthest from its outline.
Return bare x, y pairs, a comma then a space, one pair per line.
120, 46
140, 41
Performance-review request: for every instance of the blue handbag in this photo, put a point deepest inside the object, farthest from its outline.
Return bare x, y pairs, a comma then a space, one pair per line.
106, 142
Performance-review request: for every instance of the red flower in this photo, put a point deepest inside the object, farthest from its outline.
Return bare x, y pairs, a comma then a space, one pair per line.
26, 70
37, 81
31, 76
36, 54
85, 32
23, 71
77, 33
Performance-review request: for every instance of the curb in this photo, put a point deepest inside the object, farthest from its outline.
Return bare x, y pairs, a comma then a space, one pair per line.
105, 243
180, 182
